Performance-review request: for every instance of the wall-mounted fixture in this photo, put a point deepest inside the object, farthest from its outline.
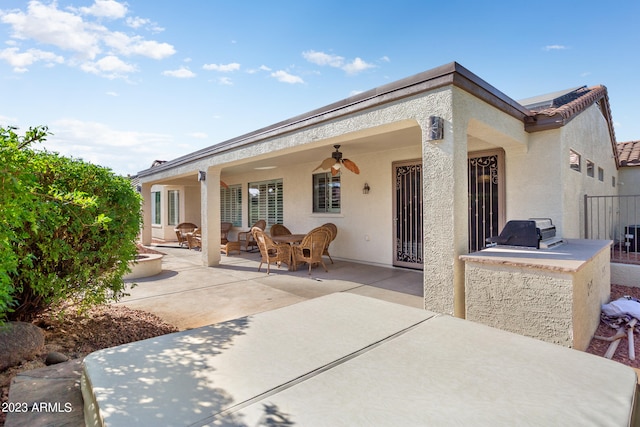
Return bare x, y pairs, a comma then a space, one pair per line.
202, 176
435, 129
366, 188
139, 188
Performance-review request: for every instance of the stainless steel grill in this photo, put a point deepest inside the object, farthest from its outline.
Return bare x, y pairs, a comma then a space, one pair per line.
538, 233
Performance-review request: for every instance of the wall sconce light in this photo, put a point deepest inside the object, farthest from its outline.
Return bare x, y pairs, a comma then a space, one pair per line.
202, 176
435, 128
366, 188
139, 188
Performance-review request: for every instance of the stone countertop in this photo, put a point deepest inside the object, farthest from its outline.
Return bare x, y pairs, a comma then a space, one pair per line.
568, 257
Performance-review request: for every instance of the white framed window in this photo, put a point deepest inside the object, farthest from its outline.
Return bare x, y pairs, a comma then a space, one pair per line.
174, 207
600, 174
575, 161
326, 193
156, 208
266, 202
231, 205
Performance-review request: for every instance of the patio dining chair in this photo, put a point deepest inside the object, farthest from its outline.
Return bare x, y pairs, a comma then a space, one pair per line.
182, 230
279, 230
333, 232
247, 236
227, 245
311, 248
270, 250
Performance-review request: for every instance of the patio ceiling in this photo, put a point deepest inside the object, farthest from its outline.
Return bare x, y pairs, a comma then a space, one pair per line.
396, 136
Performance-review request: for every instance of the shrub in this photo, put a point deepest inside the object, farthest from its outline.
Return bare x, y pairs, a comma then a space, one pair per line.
67, 231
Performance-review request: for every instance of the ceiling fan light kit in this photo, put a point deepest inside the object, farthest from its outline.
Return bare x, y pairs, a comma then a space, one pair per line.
336, 161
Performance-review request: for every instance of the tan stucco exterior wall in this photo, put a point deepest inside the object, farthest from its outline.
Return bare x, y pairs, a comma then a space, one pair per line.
588, 135
629, 184
540, 182
542, 298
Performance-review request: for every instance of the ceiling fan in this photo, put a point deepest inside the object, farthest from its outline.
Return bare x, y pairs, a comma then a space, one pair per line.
335, 161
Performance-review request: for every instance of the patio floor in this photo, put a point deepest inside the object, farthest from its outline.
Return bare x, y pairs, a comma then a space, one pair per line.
189, 295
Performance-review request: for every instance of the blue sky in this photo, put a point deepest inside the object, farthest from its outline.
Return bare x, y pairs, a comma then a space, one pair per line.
122, 84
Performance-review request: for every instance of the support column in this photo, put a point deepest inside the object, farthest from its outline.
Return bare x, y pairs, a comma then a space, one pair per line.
210, 214
145, 232
445, 217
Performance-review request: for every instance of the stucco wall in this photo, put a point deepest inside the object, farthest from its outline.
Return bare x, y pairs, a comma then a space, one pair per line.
364, 222
540, 182
588, 135
629, 177
540, 295
520, 300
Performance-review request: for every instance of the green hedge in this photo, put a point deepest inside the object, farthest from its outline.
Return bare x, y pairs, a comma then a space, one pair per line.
67, 228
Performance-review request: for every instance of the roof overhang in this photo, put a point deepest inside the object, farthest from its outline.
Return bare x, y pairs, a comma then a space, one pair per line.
452, 74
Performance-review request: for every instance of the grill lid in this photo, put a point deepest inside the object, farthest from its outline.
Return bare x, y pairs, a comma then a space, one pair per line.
532, 233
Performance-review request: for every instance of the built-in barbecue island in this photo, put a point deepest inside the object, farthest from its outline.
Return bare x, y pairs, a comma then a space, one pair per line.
553, 294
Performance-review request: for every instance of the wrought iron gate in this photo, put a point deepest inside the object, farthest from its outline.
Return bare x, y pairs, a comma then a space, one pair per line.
486, 187
407, 202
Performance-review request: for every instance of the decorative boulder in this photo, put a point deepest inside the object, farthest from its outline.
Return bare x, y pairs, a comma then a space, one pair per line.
19, 341
53, 358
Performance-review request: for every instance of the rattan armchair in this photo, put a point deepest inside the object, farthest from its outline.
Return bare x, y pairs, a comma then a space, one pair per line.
333, 231
279, 230
247, 236
181, 232
270, 250
311, 248
194, 239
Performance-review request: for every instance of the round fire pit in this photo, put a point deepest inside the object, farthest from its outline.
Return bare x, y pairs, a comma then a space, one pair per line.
145, 265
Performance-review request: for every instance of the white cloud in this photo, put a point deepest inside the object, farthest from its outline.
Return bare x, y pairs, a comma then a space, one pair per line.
110, 66
180, 73
111, 93
284, 77
555, 47
136, 45
81, 33
225, 68
7, 121
48, 25
356, 66
336, 61
198, 135
225, 81
123, 151
106, 9
21, 60
321, 58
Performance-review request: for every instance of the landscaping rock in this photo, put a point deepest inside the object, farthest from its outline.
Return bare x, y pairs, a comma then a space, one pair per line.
53, 358
19, 341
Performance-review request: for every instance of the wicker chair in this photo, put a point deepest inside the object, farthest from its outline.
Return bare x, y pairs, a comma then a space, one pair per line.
270, 250
311, 248
279, 230
247, 236
194, 239
181, 232
227, 245
333, 231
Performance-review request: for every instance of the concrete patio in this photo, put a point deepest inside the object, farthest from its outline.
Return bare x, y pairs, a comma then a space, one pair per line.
189, 295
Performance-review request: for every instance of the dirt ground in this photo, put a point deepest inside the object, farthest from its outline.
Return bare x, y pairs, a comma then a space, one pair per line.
108, 326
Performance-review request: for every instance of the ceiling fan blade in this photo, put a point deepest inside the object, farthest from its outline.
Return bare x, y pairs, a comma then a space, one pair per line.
326, 163
334, 171
223, 184
351, 166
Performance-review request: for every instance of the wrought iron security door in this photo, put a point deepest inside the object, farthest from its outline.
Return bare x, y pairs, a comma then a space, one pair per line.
407, 202
486, 197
